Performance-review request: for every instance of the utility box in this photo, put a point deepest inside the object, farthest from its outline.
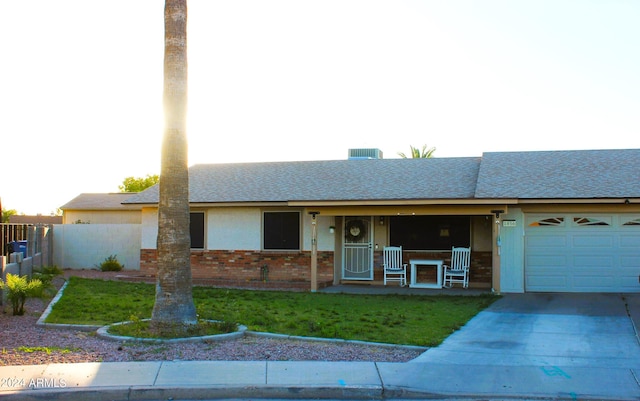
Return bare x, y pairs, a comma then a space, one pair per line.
362, 154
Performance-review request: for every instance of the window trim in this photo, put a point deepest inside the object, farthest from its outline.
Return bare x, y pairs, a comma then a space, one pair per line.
204, 229
299, 231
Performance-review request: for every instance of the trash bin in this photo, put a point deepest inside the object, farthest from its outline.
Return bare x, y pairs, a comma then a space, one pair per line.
18, 246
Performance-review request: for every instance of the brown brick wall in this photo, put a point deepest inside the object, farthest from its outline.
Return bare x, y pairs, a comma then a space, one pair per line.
291, 270
248, 267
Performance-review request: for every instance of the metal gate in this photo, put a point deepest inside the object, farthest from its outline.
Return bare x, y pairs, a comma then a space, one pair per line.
12, 232
357, 263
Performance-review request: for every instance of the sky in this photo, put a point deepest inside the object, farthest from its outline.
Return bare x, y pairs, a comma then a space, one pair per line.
288, 80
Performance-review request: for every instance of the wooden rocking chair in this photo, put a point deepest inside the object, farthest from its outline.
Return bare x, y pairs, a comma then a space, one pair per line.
394, 269
458, 271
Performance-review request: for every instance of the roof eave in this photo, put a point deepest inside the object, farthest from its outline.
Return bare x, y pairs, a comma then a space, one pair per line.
223, 204
578, 200
402, 202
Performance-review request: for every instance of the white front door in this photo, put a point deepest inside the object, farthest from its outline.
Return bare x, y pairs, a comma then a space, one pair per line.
357, 261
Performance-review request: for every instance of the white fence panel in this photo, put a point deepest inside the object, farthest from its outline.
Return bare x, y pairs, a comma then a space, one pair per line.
85, 246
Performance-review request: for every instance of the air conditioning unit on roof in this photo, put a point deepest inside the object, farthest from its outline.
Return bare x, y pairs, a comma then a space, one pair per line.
360, 154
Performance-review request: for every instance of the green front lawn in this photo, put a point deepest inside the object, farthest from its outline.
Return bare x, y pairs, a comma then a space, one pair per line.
396, 319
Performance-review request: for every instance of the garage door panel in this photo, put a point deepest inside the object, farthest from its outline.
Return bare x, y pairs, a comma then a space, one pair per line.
630, 261
546, 242
548, 281
630, 283
630, 241
588, 262
544, 262
582, 257
593, 283
591, 241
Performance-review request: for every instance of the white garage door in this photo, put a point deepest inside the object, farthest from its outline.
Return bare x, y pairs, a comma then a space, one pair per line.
582, 253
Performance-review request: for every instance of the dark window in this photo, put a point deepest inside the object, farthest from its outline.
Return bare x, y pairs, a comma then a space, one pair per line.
282, 230
430, 232
197, 230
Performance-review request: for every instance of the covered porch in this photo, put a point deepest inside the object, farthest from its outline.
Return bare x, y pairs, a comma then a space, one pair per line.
425, 232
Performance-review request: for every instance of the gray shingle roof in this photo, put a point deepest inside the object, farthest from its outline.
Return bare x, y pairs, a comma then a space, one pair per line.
99, 201
578, 174
333, 180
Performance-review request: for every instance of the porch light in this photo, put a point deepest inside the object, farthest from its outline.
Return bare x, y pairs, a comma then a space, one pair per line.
381, 220
332, 229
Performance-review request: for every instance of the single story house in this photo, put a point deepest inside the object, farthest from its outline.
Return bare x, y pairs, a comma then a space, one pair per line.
543, 221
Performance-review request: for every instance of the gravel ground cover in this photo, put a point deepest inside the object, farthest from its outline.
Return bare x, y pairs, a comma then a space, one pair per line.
22, 342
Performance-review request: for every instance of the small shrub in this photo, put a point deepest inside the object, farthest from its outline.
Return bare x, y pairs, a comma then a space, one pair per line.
111, 264
51, 270
19, 288
46, 276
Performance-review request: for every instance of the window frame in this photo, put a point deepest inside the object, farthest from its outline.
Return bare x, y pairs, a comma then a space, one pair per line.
284, 236
204, 229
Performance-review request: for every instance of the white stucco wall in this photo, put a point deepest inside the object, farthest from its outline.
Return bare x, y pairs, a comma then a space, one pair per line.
84, 246
102, 217
233, 228
241, 228
149, 228
326, 240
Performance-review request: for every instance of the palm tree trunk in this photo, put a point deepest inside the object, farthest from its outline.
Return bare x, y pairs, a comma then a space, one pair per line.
174, 305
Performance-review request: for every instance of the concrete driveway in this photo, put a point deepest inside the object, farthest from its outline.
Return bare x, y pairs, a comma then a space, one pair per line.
578, 330
536, 346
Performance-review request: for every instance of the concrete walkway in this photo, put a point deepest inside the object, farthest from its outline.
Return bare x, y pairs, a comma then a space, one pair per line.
527, 346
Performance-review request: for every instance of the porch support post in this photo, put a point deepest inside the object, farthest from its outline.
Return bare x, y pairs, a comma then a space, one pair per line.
314, 254
495, 252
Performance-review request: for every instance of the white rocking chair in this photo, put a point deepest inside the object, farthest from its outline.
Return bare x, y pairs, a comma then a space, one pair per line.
458, 271
394, 269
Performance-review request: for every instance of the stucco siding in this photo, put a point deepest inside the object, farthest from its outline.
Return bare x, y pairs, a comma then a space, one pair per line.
149, 228
326, 240
84, 246
102, 217
233, 228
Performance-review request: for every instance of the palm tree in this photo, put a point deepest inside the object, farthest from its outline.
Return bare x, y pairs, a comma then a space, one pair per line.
174, 307
417, 154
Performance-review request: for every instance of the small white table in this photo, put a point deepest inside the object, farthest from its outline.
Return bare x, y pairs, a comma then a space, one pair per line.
427, 262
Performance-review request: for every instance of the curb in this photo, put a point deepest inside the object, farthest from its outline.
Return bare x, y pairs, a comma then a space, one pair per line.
332, 340
222, 392
103, 332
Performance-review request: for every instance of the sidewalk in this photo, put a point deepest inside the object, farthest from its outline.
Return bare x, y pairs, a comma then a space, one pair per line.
310, 380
